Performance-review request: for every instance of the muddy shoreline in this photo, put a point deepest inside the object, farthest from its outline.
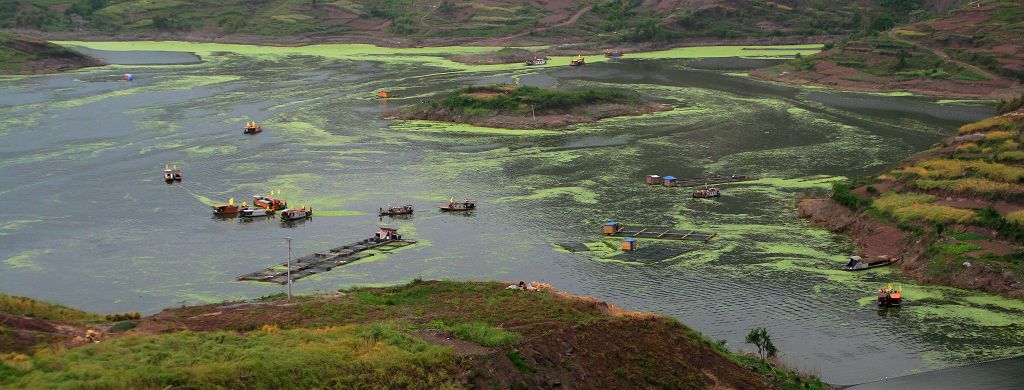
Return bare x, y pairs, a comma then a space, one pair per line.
993, 89
877, 238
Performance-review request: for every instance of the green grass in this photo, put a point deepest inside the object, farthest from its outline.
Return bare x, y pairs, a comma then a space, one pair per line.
369, 356
484, 334
29, 307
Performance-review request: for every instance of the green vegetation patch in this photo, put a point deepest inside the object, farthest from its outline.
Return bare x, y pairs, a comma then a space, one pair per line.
29, 307
484, 334
507, 98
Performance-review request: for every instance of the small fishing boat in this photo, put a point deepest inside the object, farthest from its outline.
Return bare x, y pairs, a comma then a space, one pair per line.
176, 173
269, 202
226, 209
536, 61
612, 54
385, 95
252, 128
465, 205
856, 263
296, 214
255, 212
578, 61
707, 192
889, 297
395, 210
168, 174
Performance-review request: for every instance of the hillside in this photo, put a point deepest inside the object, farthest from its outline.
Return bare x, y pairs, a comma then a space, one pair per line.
953, 214
420, 335
977, 50
434, 22
24, 55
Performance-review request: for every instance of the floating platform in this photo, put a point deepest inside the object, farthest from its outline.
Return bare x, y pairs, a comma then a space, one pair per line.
574, 246
653, 253
321, 262
683, 182
660, 233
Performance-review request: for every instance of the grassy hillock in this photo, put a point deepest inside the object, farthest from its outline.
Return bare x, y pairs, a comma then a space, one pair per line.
537, 20
23, 55
963, 201
421, 335
524, 107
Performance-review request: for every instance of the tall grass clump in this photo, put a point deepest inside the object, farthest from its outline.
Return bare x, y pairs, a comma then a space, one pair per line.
483, 334
971, 185
362, 356
29, 307
842, 192
889, 202
932, 213
985, 124
1016, 217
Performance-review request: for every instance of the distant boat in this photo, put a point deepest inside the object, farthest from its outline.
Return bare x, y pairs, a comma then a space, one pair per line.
890, 297
707, 192
856, 263
395, 210
578, 61
269, 202
613, 54
226, 209
252, 128
255, 212
536, 61
171, 174
465, 205
296, 214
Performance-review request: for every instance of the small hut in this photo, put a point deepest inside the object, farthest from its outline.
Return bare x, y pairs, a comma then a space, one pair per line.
610, 228
653, 179
387, 234
669, 181
628, 244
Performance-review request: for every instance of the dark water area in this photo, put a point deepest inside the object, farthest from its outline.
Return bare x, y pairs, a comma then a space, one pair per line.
142, 57
88, 221
988, 376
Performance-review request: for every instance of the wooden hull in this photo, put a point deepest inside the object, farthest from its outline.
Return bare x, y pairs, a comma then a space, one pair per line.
869, 266
394, 213
448, 208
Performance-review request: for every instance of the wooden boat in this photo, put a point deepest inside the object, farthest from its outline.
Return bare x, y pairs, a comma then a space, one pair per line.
889, 297
226, 209
395, 210
707, 192
385, 95
269, 202
255, 212
536, 61
296, 214
578, 61
856, 263
613, 54
465, 205
176, 173
252, 128
168, 174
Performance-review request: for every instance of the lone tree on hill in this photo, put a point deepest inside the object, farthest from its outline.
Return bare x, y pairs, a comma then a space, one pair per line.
760, 338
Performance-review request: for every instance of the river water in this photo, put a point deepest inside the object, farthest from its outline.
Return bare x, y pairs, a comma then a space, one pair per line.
88, 221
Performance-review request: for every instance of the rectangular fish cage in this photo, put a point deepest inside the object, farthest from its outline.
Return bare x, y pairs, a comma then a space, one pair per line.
610, 228
653, 179
669, 181
628, 244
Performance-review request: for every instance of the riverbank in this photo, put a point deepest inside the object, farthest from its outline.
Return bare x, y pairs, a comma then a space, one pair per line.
516, 107
426, 334
952, 215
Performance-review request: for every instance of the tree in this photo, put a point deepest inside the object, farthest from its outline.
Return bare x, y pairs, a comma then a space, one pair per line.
760, 338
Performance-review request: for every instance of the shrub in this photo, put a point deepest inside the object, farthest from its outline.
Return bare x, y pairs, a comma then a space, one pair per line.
1016, 217
1000, 135
842, 192
483, 334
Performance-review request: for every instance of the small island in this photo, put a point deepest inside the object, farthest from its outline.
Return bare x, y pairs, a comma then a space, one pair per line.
512, 106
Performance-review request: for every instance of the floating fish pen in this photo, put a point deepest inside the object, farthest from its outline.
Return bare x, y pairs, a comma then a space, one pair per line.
672, 181
321, 262
615, 229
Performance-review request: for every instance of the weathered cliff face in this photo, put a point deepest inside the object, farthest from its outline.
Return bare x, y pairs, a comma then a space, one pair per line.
875, 238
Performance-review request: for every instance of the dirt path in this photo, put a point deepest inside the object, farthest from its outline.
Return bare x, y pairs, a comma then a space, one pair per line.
498, 41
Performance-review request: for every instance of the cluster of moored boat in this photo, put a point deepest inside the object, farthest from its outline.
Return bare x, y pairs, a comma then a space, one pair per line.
262, 206
578, 61
464, 205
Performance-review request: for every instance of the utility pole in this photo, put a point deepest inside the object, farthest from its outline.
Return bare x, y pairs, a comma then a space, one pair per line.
289, 239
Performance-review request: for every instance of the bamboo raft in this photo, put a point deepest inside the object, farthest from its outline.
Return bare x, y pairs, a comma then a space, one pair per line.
660, 233
323, 261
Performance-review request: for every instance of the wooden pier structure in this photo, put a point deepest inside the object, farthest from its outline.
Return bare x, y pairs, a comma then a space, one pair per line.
614, 229
321, 262
699, 181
